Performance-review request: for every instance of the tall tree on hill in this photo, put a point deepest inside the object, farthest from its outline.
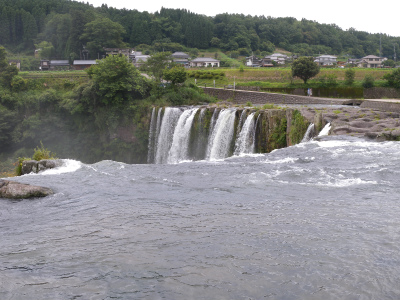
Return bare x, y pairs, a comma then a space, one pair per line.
101, 33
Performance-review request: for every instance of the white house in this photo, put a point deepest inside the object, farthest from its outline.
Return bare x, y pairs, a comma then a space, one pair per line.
326, 60
205, 62
278, 57
371, 61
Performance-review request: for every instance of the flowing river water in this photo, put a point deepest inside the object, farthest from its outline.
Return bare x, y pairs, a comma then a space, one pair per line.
319, 220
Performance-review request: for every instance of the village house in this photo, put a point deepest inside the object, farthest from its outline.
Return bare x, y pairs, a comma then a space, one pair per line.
140, 59
46, 65
181, 58
326, 60
371, 61
253, 61
278, 58
83, 64
118, 51
205, 62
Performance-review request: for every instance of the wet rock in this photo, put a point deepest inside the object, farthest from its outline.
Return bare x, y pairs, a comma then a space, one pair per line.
16, 190
33, 166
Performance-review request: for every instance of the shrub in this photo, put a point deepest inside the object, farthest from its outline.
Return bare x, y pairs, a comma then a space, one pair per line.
349, 76
368, 81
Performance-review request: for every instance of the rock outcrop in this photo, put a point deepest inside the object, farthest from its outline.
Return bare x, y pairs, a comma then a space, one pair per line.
16, 190
33, 166
354, 121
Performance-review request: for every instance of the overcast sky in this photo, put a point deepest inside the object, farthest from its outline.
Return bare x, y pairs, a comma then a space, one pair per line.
372, 17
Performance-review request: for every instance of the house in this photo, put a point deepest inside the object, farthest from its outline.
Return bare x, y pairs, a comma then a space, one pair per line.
59, 64
140, 60
253, 61
15, 62
205, 62
83, 64
181, 58
267, 62
118, 51
278, 58
371, 61
46, 65
326, 60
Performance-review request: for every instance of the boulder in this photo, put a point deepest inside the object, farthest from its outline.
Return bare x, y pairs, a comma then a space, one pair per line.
16, 190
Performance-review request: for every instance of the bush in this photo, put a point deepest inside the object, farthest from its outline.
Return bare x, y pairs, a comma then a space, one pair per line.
393, 79
42, 153
368, 81
349, 76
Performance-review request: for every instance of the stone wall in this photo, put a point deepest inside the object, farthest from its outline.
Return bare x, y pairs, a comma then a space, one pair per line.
381, 93
242, 97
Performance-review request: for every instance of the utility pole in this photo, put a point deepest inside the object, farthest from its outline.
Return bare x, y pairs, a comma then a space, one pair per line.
394, 51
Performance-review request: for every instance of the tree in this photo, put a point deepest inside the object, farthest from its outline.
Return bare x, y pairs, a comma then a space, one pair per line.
157, 63
116, 80
349, 76
7, 72
46, 50
175, 75
368, 81
100, 33
393, 79
304, 68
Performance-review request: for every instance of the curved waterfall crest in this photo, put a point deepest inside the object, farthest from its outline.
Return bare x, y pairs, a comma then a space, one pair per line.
178, 134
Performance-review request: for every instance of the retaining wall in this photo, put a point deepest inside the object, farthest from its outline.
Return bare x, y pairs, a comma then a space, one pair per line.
242, 97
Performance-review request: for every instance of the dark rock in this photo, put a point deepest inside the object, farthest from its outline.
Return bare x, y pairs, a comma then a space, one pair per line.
33, 166
45, 164
16, 190
29, 166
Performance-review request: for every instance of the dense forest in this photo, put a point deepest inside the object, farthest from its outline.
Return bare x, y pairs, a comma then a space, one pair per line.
64, 27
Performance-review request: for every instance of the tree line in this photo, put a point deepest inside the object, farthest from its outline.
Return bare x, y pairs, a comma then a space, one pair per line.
67, 27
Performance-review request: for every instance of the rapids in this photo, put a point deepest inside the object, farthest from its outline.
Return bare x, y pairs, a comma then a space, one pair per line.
319, 220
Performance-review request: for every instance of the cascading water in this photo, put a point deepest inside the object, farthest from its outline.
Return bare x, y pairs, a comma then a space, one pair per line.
152, 134
245, 141
325, 130
180, 143
309, 133
165, 137
222, 135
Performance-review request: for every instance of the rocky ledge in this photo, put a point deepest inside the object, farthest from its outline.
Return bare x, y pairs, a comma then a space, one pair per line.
355, 121
16, 190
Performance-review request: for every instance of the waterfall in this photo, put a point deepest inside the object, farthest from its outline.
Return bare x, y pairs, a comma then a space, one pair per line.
180, 142
245, 141
199, 138
165, 136
325, 130
222, 134
152, 129
309, 133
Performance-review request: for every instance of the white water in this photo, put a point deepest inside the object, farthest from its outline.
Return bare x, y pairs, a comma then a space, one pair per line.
245, 141
325, 130
164, 142
309, 133
180, 142
222, 135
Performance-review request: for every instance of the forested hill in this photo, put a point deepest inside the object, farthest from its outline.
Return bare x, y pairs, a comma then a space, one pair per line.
66, 26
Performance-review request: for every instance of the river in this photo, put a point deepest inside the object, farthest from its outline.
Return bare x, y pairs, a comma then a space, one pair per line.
319, 220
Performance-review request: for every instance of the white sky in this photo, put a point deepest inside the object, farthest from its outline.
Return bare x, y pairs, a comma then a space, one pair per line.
363, 16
